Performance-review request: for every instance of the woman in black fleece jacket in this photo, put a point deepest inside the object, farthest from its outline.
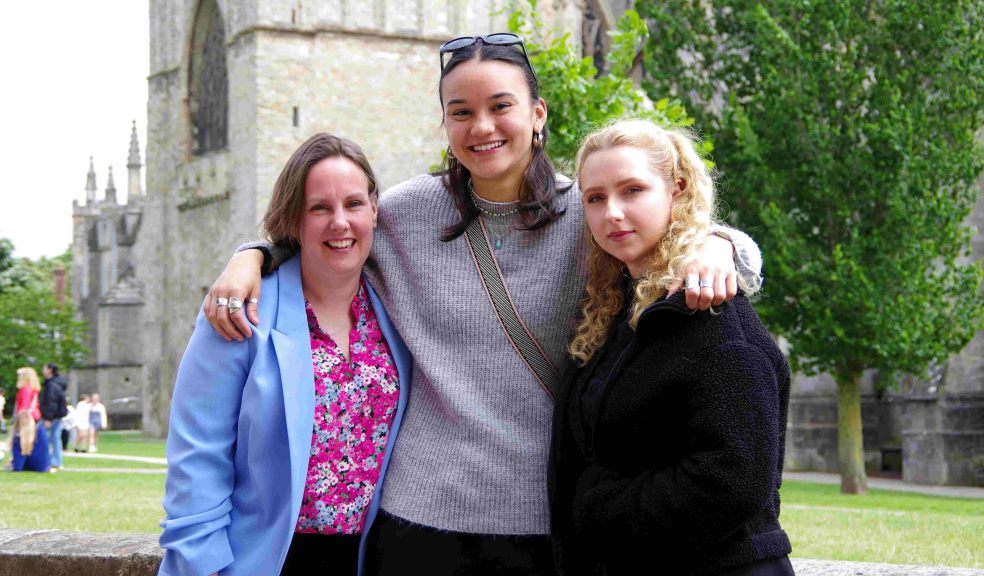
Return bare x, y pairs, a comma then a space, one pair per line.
668, 439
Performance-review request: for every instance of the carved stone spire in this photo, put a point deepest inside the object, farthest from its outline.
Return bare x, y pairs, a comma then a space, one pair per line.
134, 160
90, 184
133, 165
110, 188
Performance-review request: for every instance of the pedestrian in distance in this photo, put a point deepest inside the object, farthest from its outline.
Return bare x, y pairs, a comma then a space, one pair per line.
68, 426
82, 410
98, 421
669, 434
3, 403
53, 409
28, 390
30, 451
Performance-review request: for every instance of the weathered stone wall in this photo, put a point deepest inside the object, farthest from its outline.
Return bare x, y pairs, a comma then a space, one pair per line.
943, 428
811, 433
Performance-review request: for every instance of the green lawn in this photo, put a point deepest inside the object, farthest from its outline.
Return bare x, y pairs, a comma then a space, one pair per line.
88, 501
130, 444
81, 501
890, 527
74, 463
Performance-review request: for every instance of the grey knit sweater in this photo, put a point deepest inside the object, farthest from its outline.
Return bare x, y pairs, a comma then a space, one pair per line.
472, 450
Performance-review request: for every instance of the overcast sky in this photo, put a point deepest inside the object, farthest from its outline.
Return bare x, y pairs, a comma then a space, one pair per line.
74, 77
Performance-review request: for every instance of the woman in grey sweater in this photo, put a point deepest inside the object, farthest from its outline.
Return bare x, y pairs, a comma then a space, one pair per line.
466, 490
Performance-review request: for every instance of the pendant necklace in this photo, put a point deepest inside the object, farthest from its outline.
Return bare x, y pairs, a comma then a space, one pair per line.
493, 219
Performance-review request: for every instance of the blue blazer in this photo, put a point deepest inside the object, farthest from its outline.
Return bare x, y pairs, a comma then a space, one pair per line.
242, 416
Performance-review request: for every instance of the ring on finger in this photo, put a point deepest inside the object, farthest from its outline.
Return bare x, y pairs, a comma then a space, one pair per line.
706, 283
253, 301
235, 305
691, 282
221, 301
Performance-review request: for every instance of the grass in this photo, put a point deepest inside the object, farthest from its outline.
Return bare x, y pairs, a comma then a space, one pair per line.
89, 501
82, 501
883, 526
74, 463
130, 444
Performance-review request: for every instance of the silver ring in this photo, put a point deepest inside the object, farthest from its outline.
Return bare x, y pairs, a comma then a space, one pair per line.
253, 301
221, 301
706, 283
235, 305
691, 282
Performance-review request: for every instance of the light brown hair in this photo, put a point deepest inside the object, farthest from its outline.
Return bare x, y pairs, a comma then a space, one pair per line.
282, 220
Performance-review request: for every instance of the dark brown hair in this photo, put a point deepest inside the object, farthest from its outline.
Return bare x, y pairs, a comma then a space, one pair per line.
538, 192
283, 216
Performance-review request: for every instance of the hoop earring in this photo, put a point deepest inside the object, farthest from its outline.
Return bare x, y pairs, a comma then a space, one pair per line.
538, 139
450, 157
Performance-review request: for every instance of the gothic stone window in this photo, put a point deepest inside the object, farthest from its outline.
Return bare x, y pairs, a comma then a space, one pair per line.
208, 96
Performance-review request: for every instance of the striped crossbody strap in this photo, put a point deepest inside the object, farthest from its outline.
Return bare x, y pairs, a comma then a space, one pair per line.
519, 335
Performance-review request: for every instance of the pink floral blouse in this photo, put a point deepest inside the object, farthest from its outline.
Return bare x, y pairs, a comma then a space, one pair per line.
355, 402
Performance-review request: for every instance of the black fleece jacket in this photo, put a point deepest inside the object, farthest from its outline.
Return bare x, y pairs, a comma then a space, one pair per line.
668, 447
53, 404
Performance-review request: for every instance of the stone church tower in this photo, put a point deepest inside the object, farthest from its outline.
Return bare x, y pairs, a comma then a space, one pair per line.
236, 86
108, 295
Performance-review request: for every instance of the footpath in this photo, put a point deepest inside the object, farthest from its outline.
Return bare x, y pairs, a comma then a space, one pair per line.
891, 484
69, 457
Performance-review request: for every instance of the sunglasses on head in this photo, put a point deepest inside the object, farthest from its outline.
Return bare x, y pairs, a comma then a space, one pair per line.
497, 39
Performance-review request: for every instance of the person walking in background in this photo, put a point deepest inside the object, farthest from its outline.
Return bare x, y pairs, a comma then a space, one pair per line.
68, 426
97, 421
28, 389
82, 410
53, 409
30, 445
3, 403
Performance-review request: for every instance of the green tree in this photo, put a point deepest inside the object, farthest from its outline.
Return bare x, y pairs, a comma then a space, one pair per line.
845, 133
578, 98
35, 327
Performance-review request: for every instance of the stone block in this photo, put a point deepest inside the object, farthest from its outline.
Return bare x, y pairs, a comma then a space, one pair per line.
56, 553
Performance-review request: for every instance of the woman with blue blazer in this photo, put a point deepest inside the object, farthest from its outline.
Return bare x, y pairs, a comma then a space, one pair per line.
326, 375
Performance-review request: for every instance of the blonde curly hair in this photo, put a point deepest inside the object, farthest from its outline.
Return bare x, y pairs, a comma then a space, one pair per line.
672, 154
27, 376
26, 429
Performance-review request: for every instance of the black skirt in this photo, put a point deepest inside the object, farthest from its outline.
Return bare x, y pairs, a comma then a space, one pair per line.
312, 554
398, 547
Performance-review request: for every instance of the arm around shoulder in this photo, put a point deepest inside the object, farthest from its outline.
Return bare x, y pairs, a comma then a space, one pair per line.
748, 257
200, 452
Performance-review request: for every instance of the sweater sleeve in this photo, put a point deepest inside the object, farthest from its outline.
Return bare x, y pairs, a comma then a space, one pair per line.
748, 258
732, 437
273, 255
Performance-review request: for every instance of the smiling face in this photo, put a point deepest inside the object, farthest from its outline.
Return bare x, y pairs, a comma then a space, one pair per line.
626, 204
490, 119
337, 220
